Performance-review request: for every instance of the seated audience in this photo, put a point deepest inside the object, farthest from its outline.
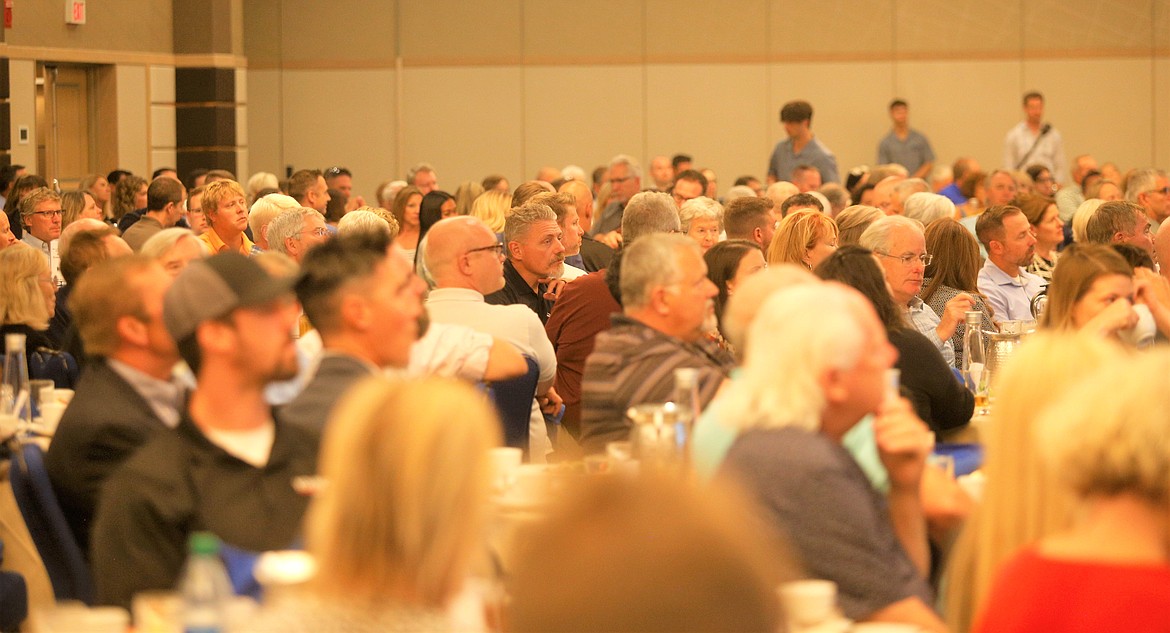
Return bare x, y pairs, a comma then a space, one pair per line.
76, 205
40, 216
27, 297
1120, 222
953, 270
701, 219
1107, 446
1048, 229
164, 209
406, 210
535, 256
295, 232
729, 264
594, 255
853, 221
492, 207
804, 238
226, 211
927, 207
750, 219
1007, 236
397, 564
174, 248
263, 211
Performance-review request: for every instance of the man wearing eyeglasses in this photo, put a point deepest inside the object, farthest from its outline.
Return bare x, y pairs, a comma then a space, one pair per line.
1150, 189
40, 213
164, 209
294, 231
900, 246
1009, 289
625, 180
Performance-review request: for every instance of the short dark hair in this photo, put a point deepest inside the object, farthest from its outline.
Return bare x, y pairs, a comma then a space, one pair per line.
744, 215
8, 175
330, 266
989, 226
1136, 257
898, 102
796, 111
86, 249
679, 159
163, 191
193, 175
160, 171
693, 175
334, 172
1115, 216
114, 176
800, 200
744, 180
300, 183
1033, 95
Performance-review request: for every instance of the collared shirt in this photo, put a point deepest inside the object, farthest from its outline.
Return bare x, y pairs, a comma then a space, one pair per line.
952, 193
50, 250
911, 153
924, 319
141, 231
516, 290
1049, 150
1011, 298
784, 160
165, 397
217, 245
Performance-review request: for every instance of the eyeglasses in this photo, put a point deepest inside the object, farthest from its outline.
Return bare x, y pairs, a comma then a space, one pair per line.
618, 181
497, 249
319, 231
908, 260
1164, 191
54, 213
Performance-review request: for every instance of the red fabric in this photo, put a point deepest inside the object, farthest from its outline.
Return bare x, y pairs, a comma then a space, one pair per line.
1034, 593
579, 315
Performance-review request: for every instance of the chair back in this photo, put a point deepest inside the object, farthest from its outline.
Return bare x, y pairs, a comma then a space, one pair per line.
46, 523
513, 401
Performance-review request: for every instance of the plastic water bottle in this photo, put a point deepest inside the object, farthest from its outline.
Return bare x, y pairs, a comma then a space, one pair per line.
205, 588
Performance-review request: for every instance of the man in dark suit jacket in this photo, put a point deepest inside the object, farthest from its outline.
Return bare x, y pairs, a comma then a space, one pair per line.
126, 395
361, 294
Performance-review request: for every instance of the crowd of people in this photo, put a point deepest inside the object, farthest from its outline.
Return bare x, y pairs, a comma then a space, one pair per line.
280, 363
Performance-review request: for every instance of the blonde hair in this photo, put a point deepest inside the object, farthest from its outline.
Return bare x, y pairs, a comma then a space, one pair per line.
799, 232
21, 300
1080, 266
215, 193
1021, 501
492, 208
1081, 217
402, 514
852, 222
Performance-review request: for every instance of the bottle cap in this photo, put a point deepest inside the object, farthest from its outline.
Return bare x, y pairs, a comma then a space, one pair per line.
14, 342
203, 543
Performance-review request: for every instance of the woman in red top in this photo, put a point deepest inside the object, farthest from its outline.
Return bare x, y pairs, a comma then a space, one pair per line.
1110, 446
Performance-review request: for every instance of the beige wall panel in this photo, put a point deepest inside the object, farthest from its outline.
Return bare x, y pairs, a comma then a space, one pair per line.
347, 31
962, 29
162, 126
1161, 106
162, 158
849, 107
242, 126
355, 132
571, 126
264, 120
1115, 126
1086, 25
1161, 26
241, 81
723, 121
114, 26
162, 84
483, 31
467, 122
964, 107
582, 31
698, 30
133, 145
262, 29
830, 28
23, 104
243, 169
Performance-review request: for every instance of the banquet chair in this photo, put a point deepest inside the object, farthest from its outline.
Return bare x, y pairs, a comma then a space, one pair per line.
46, 523
513, 401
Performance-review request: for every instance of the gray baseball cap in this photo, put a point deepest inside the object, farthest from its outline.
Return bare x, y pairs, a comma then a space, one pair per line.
212, 288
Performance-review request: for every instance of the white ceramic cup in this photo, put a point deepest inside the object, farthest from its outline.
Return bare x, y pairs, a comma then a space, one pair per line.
505, 462
809, 602
51, 413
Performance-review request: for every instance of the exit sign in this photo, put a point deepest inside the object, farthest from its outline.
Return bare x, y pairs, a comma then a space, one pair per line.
75, 11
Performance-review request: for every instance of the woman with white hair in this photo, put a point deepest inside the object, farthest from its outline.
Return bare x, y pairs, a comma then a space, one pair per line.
399, 524
1108, 445
701, 220
928, 207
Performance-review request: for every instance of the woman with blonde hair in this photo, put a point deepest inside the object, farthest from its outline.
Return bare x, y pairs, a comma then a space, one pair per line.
79, 204
492, 207
129, 195
1021, 502
1106, 449
397, 563
805, 238
853, 221
953, 269
1081, 217
97, 186
28, 296
465, 195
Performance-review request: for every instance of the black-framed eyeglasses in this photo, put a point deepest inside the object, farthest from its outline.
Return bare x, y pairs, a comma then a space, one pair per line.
334, 172
908, 260
52, 213
496, 248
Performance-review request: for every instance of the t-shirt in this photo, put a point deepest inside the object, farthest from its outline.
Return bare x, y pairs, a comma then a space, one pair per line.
839, 526
1035, 593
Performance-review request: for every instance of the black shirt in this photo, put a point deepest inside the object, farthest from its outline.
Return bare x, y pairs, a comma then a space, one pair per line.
516, 290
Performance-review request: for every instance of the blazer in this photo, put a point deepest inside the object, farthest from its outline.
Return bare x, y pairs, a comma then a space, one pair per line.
335, 374
104, 424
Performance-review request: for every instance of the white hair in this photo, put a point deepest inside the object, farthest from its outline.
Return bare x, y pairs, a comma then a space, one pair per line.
701, 208
1081, 217
288, 224
361, 222
574, 172
265, 209
630, 162
789, 347
877, 236
927, 207
260, 181
649, 263
739, 191
162, 242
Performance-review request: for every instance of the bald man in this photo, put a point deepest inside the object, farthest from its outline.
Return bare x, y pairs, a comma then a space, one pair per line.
467, 262
594, 255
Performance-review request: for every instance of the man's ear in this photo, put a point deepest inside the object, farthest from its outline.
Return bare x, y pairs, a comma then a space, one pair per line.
132, 330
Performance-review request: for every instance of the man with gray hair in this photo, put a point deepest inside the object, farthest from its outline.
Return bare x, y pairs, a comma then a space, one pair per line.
1120, 222
40, 214
423, 176
904, 189
625, 179
900, 246
1149, 189
295, 231
584, 307
666, 298
264, 210
536, 256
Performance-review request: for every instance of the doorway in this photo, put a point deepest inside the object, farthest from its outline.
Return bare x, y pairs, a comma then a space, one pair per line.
66, 123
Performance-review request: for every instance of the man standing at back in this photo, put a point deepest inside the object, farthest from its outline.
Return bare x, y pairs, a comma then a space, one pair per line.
800, 147
904, 146
164, 209
1034, 142
229, 468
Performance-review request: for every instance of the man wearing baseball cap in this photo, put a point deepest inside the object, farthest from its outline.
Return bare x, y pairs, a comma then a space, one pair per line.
229, 467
